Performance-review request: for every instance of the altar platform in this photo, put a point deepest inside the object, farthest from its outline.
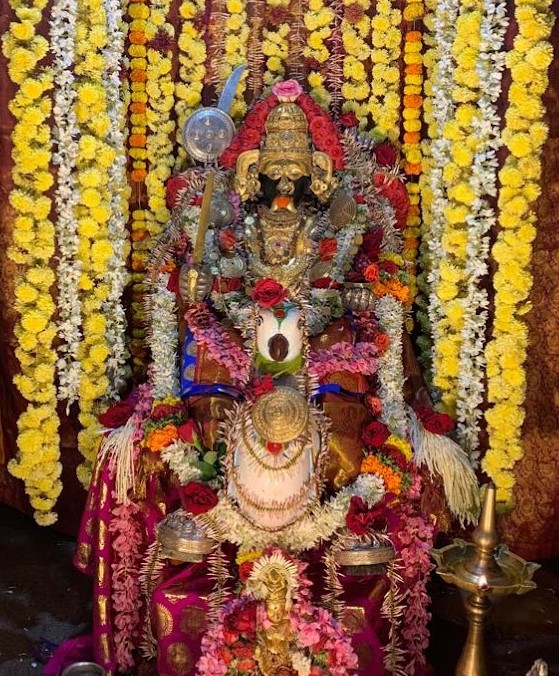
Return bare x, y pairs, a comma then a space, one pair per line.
44, 601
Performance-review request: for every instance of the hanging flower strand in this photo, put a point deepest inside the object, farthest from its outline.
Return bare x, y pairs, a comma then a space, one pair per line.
38, 460
524, 135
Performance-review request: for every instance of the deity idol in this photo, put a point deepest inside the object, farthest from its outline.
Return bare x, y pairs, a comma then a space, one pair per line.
276, 422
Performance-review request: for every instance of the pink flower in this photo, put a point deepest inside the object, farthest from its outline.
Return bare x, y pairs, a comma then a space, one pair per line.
288, 90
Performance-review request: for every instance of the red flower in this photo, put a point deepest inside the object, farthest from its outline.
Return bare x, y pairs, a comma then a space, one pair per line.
256, 119
273, 447
385, 154
389, 267
249, 138
245, 570
197, 498
117, 415
396, 455
327, 249
262, 385
225, 655
246, 665
174, 186
349, 120
371, 273
325, 283
372, 241
230, 637
227, 239
375, 434
359, 517
395, 191
243, 621
438, 423
374, 404
188, 431
243, 651
227, 284
268, 293
164, 411
173, 281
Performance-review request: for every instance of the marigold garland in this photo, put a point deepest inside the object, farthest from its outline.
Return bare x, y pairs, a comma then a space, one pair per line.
192, 57
318, 20
524, 135
356, 30
236, 43
37, 463
95, 158
386, 38
275, 43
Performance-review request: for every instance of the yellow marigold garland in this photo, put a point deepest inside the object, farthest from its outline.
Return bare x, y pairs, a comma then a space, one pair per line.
356, 30
318, 21
386, 38
236, 42
456, 177
94, 210
275, 46
192, 57
137, 141
37, 463
524, 135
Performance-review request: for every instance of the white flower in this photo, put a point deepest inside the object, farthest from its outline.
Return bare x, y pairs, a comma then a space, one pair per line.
301, 663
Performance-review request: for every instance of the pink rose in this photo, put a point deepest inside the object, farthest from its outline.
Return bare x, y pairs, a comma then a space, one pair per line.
288, 90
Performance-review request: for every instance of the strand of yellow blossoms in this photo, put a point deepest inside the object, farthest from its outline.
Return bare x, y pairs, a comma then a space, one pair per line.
137, 142
192, 56
386, 39
37, 463
318, 20
275, 44
356, 30
94, 211
524, 135
236, 42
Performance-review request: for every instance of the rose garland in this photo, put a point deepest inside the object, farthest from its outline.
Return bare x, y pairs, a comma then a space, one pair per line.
318, 21
192, 57
356, 29
62, 39
524, 135
37, 463
117, 276
384, 103
236, 44
95, 158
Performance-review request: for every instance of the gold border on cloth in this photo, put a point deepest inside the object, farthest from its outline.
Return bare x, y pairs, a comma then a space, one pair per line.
369, 556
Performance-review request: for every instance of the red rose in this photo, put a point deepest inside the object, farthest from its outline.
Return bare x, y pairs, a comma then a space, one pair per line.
371, 273
245, 570
372, 241
173, 281
250, 138
374, 404
389, 267
256, 119
262, 385
396, 455
164, 411
246, 664
175, 185
268, 293
385, 154
325, 283
188, 431
358, 519
327, 249
230, 637
117, 415
438, 423
349, 120
225, 655
197, 498
243, 651
243, 621
227, 239
375, 434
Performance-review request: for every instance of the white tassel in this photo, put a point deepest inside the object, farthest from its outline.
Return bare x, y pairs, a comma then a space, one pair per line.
443, 456
539, 669
117, 449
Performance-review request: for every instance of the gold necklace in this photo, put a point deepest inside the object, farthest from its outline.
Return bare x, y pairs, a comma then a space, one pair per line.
254, 455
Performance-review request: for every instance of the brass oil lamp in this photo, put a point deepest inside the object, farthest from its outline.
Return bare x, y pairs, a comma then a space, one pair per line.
485, 569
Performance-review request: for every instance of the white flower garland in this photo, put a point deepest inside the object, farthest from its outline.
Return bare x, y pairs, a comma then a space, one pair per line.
163, 340
480, 221
117, 274
441, 111
180, 456
390, 314
225, 522
65, 131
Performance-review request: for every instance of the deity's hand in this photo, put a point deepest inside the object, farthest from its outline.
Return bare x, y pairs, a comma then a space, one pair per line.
195, 284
